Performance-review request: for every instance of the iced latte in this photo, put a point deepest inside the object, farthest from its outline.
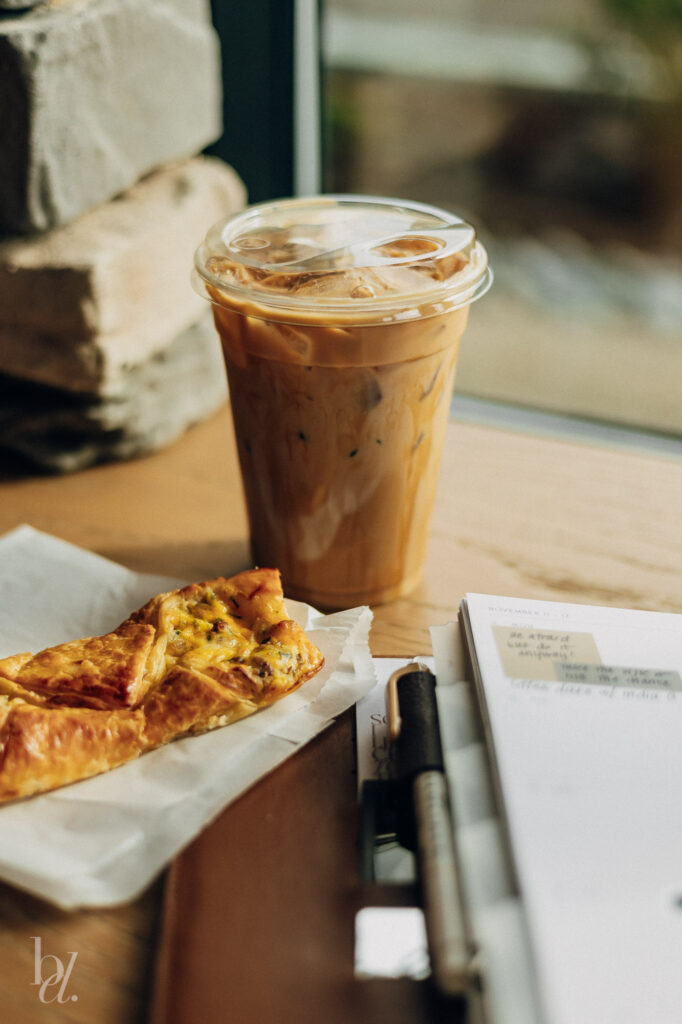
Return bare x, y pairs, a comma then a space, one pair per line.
340, 320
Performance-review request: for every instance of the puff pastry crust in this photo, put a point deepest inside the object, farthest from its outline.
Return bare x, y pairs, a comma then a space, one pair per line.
190, 660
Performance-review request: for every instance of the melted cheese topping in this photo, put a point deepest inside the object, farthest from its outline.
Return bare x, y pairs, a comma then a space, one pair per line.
207, 631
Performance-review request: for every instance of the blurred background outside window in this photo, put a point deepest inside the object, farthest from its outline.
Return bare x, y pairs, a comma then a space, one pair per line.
557, 130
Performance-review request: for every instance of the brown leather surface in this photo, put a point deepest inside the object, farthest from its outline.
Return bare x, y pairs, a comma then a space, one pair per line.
259, 914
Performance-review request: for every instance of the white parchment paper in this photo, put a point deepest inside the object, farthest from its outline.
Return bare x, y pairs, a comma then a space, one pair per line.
102, 841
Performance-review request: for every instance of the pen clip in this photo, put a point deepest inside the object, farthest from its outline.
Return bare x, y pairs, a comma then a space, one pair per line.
393, 720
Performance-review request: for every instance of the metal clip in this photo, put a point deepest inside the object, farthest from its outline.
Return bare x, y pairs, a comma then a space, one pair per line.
393, 720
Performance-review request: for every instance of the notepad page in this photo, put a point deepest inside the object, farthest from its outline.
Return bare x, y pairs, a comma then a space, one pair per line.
583, 710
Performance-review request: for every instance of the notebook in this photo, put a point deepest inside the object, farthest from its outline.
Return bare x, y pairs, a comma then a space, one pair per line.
564, 760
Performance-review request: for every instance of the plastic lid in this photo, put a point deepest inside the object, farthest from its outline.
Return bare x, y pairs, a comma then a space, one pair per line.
359, 258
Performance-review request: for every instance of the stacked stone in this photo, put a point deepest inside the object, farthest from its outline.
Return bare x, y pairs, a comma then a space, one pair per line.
105, 350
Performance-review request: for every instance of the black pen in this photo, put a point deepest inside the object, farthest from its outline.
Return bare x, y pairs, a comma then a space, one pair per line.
412, 714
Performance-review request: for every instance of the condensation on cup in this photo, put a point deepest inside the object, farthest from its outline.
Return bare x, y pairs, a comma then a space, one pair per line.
340, 319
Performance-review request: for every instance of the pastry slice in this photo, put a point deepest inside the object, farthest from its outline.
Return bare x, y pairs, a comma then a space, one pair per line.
43, 748
190, 660
99, 672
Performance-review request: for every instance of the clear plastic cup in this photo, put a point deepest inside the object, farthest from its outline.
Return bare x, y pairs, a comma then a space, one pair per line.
340, 319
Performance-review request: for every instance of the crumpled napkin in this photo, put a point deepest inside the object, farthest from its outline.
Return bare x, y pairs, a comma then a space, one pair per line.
102, 841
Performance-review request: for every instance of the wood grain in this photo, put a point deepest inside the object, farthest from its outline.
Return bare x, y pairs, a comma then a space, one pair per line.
516, 514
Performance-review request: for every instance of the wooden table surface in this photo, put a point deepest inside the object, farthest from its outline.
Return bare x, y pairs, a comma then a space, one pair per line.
516, 515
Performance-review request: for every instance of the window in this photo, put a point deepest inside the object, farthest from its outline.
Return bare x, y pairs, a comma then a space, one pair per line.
557, 130
271, 94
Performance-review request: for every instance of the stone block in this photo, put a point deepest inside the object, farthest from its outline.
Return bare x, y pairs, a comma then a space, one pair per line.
95, 94
84, 302
61, 432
